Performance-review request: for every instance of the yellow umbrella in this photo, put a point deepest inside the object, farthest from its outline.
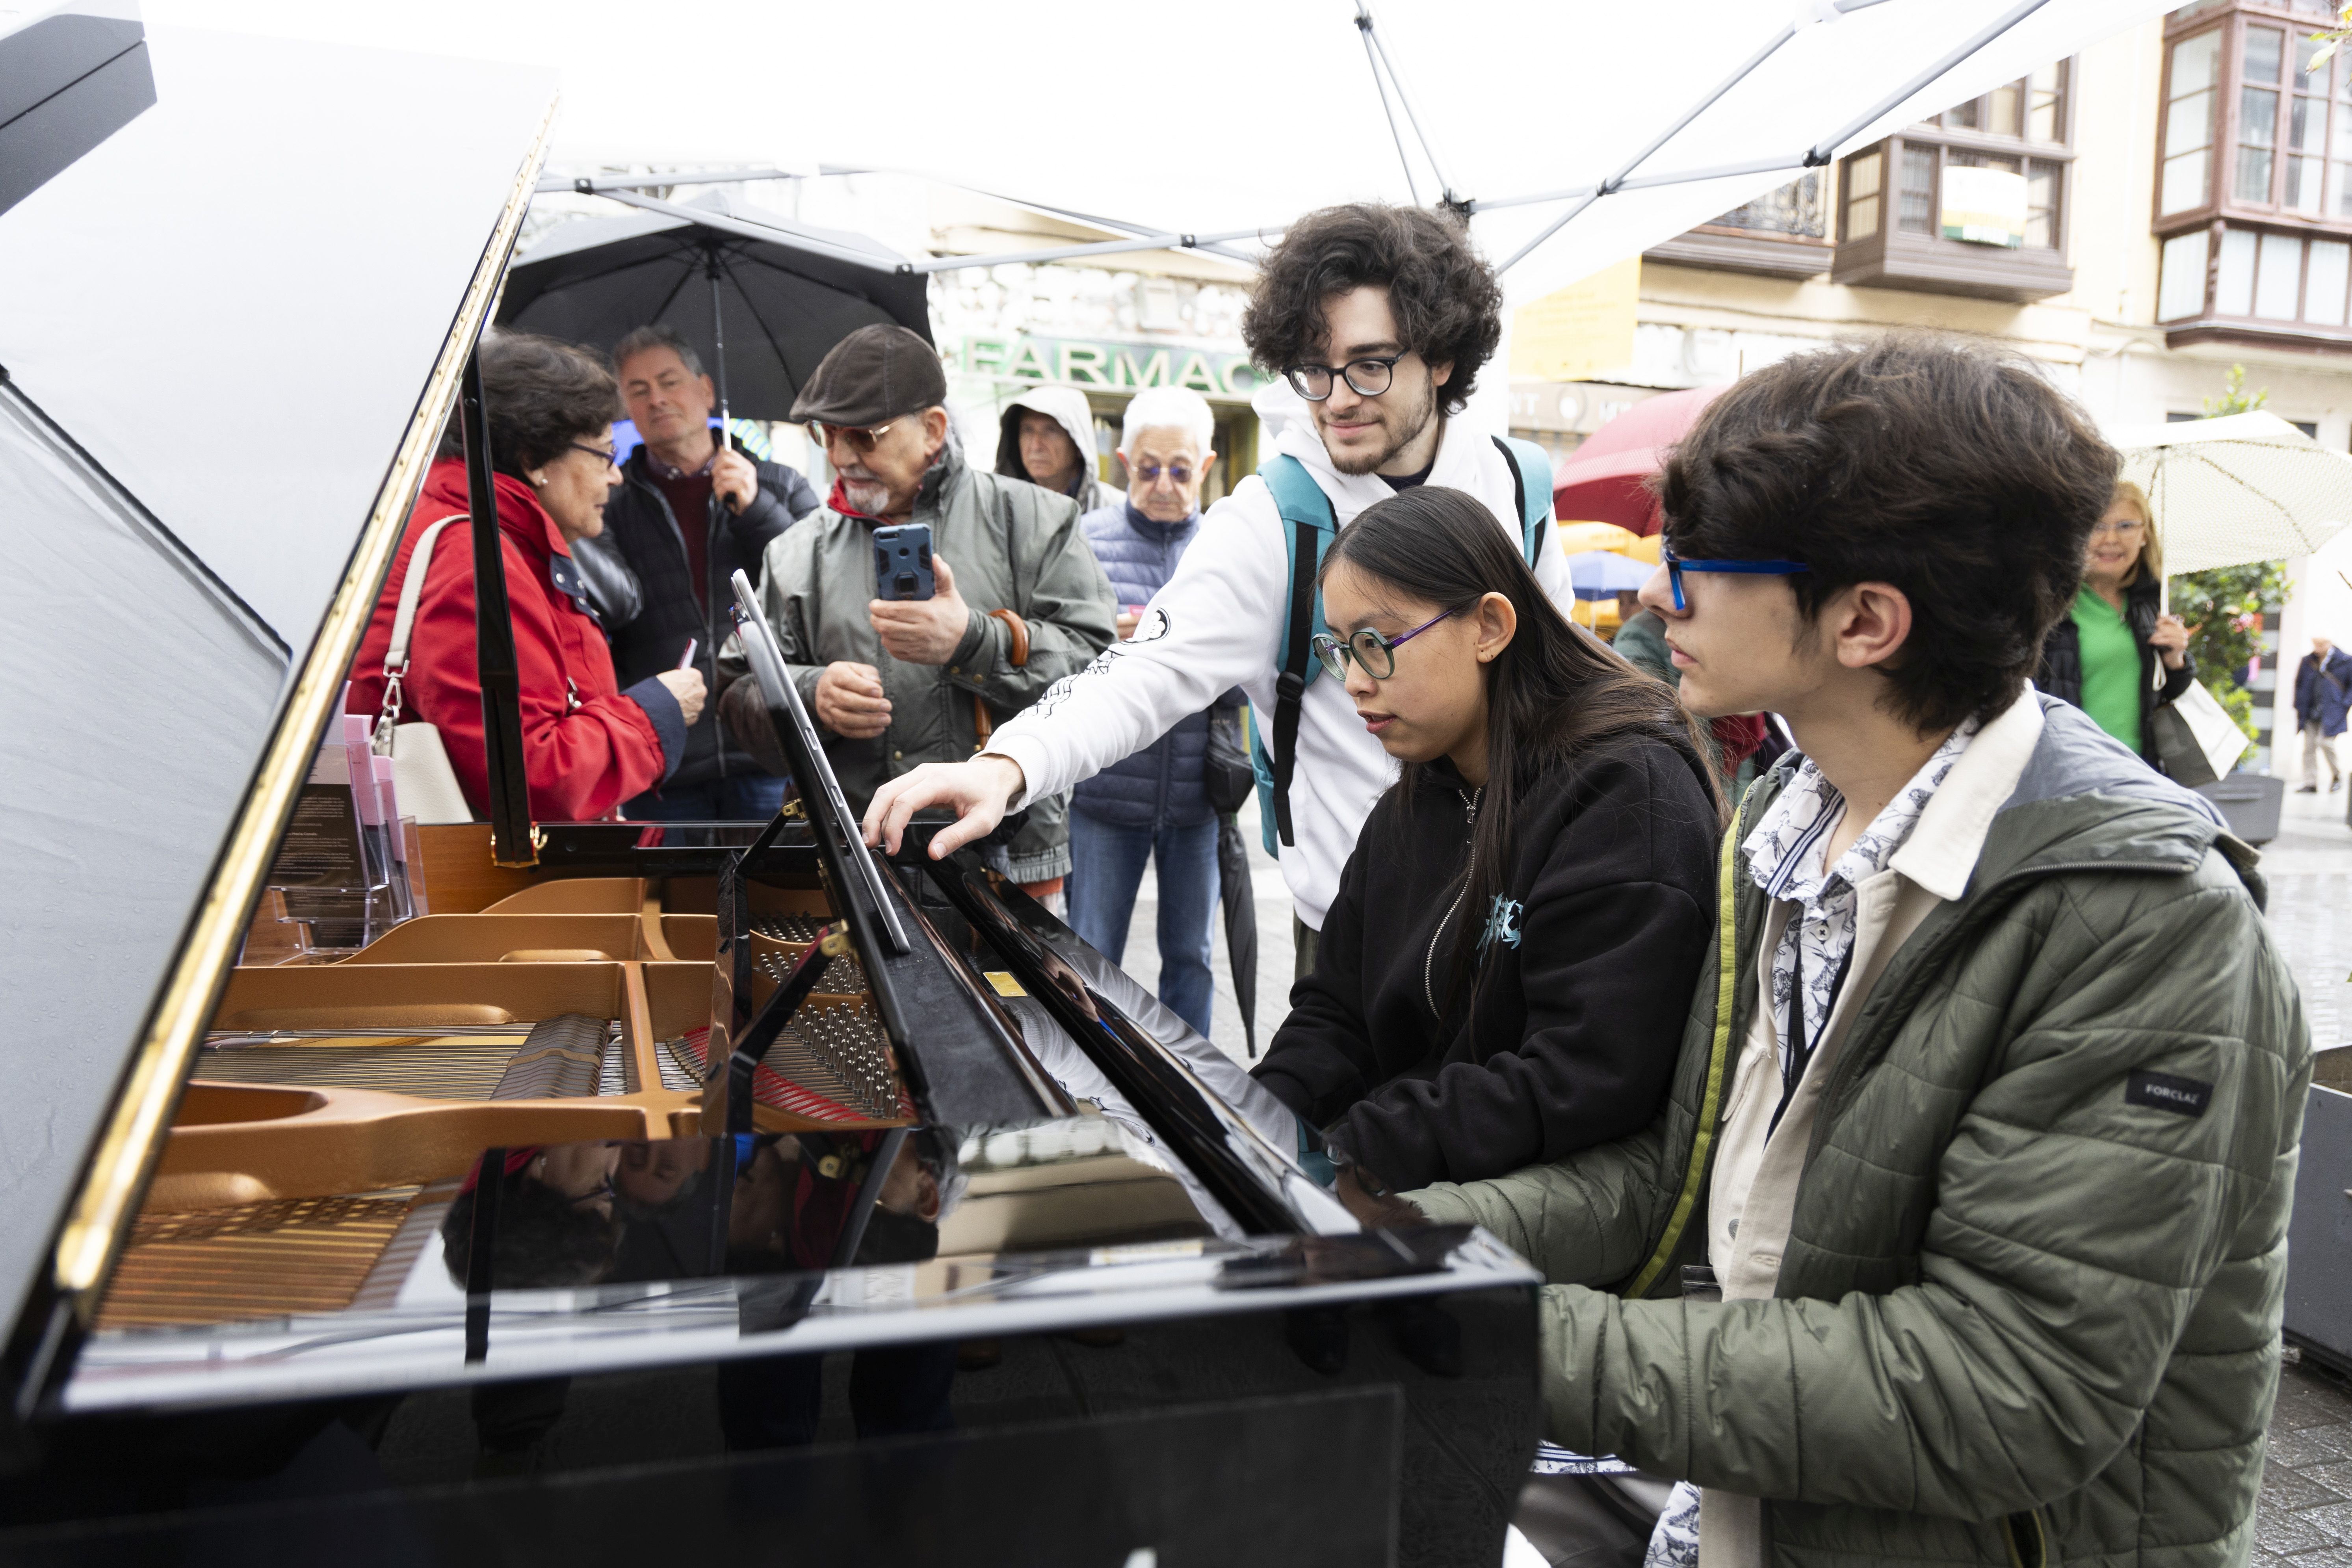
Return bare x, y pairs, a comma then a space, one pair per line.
1576, 538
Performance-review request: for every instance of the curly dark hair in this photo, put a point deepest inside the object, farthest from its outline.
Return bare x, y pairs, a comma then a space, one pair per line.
542, 395
1947, 469
1447, 302
544, 1240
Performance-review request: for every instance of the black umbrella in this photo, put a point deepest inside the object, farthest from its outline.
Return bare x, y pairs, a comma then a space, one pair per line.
1241, 921
766, 297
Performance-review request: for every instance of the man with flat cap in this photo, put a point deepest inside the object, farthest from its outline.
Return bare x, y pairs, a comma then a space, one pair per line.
1019, 600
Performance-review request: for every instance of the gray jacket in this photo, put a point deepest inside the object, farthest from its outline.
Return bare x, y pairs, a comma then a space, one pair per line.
1011, 546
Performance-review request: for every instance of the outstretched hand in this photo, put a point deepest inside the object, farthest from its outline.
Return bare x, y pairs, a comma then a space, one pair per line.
978, 790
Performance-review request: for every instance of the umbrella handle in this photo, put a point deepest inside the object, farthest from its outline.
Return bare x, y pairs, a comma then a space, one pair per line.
718, 342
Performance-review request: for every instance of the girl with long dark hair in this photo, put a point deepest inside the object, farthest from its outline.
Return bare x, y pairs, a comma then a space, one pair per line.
1504, 975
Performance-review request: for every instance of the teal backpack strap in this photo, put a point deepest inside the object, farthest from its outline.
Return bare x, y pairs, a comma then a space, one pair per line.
1308, 528
1531, 485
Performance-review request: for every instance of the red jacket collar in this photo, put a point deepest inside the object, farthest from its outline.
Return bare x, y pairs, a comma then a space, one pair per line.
520, 513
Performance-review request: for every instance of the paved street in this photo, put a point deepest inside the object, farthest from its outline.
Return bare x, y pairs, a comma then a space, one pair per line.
2305, 1515
2309, 868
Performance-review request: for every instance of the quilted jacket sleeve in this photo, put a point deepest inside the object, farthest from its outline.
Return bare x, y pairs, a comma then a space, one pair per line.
2075, 1230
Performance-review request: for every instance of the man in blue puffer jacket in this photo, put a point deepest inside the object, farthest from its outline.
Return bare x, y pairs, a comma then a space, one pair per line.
1152, 805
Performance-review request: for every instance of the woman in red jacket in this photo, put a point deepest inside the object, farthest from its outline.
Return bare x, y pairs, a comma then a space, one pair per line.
586, 746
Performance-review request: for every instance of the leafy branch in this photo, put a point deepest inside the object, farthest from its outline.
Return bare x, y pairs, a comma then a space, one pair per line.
2224, 607
2328, 38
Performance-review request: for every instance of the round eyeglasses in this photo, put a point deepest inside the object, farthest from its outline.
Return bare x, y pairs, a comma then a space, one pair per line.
1369, 377
1373, 653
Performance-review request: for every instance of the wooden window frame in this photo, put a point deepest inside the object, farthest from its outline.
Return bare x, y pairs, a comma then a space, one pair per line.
2210, 325
2233, 18
1720, 246
2223, 211
1893, 259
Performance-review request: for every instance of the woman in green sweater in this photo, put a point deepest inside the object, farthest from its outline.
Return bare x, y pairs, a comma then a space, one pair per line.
2103, 657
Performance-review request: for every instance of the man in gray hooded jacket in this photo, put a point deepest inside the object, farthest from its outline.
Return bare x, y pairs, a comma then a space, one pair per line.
1047, 436
1019, 600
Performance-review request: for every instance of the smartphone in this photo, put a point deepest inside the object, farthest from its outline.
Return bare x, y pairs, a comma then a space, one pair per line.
902, 562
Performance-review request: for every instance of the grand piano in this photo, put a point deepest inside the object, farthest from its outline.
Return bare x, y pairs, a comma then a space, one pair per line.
659, 1186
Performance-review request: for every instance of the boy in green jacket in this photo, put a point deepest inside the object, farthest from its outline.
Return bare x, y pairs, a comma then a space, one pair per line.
1986, 1118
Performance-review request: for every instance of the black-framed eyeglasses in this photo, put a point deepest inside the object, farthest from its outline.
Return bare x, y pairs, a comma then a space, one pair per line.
1374, 653
1677, 565
1148, 473
1369, 377
608, 456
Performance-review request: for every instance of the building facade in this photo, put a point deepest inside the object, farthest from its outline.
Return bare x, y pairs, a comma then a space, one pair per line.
2138, 218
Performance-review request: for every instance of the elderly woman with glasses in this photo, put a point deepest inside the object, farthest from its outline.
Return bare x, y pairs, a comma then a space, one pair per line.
2115, 656
587, 745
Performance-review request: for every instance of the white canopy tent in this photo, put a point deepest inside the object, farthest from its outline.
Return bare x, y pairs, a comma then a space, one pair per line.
1588, 129
1577, 134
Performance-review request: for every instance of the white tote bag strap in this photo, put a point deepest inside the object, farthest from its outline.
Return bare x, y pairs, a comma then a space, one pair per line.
403, 621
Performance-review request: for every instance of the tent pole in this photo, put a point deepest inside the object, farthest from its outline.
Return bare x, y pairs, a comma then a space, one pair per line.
1609, 187
1372, 41
1099, 247
1826, 149
513, 840
1372, 59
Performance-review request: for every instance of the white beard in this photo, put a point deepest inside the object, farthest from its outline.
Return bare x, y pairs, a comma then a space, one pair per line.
868, 496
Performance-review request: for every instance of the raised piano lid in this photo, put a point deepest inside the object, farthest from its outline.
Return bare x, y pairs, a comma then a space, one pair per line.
235, 328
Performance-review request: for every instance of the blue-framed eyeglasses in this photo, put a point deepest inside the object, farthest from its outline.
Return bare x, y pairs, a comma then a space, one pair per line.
1677, 565
1376, 653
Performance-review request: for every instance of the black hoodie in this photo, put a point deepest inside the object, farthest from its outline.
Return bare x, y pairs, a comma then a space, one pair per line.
1587, 979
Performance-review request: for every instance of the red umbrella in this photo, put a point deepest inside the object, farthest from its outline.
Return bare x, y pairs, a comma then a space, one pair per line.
1606, 480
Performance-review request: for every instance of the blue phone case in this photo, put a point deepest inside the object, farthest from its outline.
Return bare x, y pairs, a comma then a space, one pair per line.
902, 562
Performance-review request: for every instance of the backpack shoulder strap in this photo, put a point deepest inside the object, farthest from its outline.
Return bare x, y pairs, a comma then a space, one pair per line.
1308, 527
1531, 490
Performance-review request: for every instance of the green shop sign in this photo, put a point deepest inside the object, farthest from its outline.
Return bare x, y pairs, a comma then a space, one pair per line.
1113, 366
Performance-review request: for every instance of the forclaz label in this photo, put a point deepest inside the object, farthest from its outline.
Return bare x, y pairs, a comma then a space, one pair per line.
2163, 1092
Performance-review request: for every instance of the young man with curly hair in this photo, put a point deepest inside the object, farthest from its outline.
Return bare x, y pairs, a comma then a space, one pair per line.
1379, 319
1987, 1137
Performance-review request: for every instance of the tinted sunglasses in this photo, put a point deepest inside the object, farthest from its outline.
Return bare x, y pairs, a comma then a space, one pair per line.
860, 439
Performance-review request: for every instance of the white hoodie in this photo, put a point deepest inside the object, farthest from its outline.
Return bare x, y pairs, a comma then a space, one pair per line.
1218, 624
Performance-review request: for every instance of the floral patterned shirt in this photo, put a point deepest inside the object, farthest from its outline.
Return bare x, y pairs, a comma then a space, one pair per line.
1784, 856
1785, 852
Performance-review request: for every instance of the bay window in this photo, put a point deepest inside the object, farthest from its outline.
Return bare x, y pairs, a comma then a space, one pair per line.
1970, 201
2253, 178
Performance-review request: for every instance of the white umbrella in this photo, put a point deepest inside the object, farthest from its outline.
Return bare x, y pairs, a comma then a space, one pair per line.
2243, 488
